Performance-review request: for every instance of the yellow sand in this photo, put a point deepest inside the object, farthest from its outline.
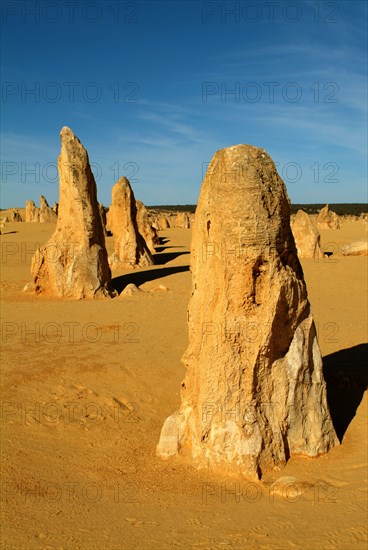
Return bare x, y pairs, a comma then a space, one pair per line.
83, 402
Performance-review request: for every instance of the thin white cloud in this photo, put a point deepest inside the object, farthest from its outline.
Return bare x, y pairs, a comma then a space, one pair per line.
172, 125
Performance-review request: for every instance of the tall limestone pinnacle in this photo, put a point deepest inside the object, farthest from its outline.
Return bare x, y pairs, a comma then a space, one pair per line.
254, 393
130, 248
73, 263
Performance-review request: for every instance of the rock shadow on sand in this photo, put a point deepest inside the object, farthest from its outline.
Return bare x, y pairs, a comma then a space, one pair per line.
166, 257
346, 375
162, 248
140, 277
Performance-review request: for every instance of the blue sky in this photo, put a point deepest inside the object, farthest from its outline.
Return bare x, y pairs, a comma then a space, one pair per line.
152, 89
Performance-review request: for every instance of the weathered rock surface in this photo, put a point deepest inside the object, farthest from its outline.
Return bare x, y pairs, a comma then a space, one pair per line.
73, 263
145, 228
163, 223
15, 216
130, 248
43, 214
306, 236
46, 214
11, 215
129, 290
358, 248
327, 219
182, 220
32, 212
55, 207
254, 393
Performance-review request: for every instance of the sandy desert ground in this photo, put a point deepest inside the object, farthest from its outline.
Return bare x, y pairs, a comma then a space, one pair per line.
86, 387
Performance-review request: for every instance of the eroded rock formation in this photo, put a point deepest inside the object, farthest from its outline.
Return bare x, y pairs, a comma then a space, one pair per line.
130, 248
182, 220
306, 236
163, 223
32, 212
145, 228
327, 219
73, 263
12, 215
46, 214
357, 248
254, 392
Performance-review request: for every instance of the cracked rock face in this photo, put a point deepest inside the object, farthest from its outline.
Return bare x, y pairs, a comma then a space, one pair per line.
254, 393
73, 263
130, 248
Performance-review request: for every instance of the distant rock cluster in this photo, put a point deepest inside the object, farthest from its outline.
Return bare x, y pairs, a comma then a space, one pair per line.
13, 215
43, 214
74, 262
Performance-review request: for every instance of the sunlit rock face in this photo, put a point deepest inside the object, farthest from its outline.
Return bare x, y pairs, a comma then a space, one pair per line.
306, 236
73, 263
47, 214
254, 393
130, 248
327, 219
145, 228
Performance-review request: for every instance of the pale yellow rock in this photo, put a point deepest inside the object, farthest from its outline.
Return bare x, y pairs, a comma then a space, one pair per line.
182, 220
130, 248
32, 212
29, 287
254, 393
46, 214
12, 215
129, 290
3, 221
358, 248
306, 236
327, 219
163, 223
73, 263
145, 228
